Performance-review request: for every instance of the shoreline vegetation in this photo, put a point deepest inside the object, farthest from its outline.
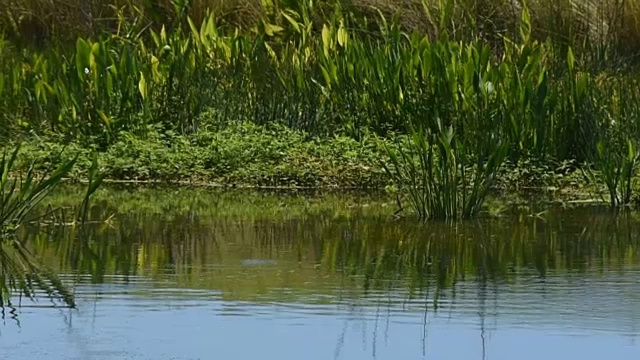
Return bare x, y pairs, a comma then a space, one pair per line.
442, 101
20, 201
295, 165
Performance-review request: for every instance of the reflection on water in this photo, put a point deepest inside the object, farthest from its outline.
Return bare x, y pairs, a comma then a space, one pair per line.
294, 279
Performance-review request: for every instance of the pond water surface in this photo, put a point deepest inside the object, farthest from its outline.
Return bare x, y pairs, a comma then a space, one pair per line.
192, 274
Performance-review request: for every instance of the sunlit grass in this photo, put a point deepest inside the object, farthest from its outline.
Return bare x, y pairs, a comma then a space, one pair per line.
20, 272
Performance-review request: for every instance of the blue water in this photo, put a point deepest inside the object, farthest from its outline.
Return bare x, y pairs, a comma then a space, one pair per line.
134, 321
324, 287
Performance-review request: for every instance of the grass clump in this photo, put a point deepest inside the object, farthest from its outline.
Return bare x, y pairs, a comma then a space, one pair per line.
439, 178
19, 270
618, 167
605, 25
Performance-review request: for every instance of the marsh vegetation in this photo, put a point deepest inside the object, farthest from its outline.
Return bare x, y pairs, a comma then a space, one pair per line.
21, 196
463, 86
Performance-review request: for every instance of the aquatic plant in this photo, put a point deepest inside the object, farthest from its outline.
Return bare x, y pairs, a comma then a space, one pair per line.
616, 168
19, 195
19, 271
324, 75
440, 179
614, 161
605, 25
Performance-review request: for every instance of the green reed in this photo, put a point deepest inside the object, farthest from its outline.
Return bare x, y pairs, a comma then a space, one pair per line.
439, 178
323, 77
617, 170
603, 26
19, 271
20, 195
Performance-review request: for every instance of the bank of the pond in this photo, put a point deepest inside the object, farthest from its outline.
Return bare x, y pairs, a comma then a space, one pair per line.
253, 156
243, 155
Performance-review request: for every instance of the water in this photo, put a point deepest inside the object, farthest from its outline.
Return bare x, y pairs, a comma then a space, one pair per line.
196, 275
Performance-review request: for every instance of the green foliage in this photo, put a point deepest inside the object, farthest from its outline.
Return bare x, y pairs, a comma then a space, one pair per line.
614, 161
531, 174
20, 195
321, 77
603, 28
439, 177
132, 90
266, 156
617, 169
240, 154
19, 271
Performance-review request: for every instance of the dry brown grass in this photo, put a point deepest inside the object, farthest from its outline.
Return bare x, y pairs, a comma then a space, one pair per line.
41, 19
612, 22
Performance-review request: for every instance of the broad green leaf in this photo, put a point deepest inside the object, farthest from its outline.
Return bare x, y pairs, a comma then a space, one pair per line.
95, 52
271, 52
325, 74
271, 29
525, 24
142, 86
582, 84
83, 57
194, 30
326, 40
343, 35
268, 6
109, 82
163, 35
292, 21
105, 118
571, 60
155, 66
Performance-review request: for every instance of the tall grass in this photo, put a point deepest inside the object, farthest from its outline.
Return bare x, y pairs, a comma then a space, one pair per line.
20, 271
616, 156
18, 268
18, 196
617, 170
544, 88
600, 23
323, 75
442, 179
